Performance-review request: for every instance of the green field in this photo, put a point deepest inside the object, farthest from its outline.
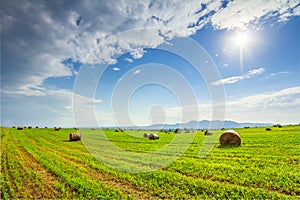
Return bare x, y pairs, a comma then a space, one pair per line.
42, 163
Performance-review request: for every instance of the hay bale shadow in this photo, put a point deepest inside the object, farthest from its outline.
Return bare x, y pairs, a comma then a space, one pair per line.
228, 146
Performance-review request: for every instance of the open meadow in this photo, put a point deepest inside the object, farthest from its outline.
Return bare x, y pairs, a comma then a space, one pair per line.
42, 163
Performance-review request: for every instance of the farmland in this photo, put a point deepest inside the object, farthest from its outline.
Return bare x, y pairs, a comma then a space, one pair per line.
42, 163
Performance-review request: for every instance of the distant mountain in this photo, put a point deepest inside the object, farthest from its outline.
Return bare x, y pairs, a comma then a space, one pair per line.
204, 124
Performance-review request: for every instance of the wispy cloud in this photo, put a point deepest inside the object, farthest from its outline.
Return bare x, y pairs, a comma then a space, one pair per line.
287, 96
137, 71
281, 106
278, 106
278, 73
234, 79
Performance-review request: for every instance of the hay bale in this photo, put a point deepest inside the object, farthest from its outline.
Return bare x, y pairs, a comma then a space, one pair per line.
92, 129
230, 137
207, 132
146, 135
277, 125
20, 128
75, 136
153, 137
268, 129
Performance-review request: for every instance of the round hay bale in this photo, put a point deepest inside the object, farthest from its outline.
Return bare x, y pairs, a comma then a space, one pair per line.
75, 136
207, 132
153, 137
268, 129
20, 128
230, 137
177, 130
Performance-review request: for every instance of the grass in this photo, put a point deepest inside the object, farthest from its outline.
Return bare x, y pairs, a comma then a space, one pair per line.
42, 163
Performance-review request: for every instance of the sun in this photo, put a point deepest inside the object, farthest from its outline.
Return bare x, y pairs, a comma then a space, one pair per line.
242, 38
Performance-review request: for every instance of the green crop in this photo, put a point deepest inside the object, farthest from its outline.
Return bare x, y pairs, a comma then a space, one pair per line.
42, 163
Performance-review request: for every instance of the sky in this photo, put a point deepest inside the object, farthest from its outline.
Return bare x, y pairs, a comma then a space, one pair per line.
118, 63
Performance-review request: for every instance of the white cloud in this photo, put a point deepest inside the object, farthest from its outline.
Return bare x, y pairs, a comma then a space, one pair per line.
74, 18
240, 14
116, 69
129, 60
254, 72
44, 34
37, 36
137, 53
234, 79
137, 72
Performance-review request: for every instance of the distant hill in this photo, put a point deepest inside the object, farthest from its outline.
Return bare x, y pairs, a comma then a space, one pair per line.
204, 124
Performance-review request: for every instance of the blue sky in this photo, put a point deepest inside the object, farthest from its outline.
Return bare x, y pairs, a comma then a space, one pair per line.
103, 63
